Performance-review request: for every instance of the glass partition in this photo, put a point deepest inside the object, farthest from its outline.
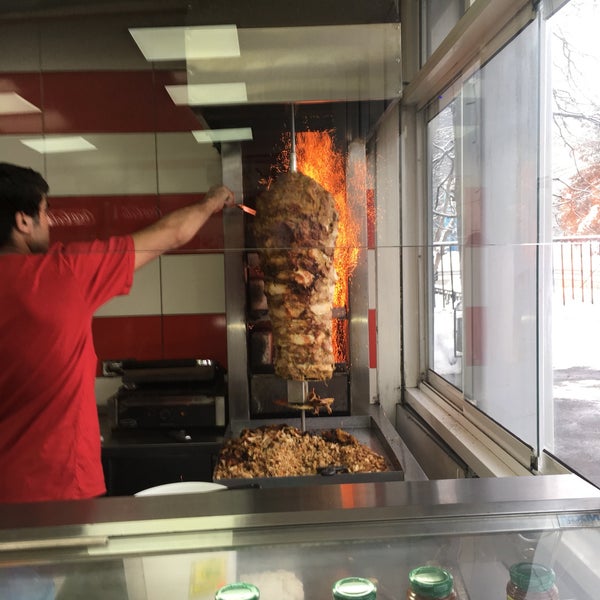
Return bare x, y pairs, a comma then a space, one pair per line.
479, 565
483, 231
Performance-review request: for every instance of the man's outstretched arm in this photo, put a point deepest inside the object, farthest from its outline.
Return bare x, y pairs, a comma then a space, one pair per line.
179, 227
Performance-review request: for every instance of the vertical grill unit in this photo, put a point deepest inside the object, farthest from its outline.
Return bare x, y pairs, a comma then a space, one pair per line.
318, 72
255, 390
257, 396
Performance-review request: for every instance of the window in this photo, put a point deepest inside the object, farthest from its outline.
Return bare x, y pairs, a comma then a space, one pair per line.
440, 16
574, 65
513, 232
483, 235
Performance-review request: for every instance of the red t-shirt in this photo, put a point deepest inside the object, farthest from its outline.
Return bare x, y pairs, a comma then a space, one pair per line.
49, 431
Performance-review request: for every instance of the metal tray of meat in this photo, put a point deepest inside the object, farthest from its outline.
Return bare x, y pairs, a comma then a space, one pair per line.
373, 430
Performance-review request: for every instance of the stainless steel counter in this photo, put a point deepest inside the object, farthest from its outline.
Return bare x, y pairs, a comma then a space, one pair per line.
153, 547
242, 516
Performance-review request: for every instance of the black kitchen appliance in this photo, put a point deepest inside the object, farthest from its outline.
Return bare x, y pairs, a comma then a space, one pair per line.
168, 394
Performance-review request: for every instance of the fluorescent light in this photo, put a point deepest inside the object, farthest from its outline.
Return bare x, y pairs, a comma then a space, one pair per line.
223, 135
13, 104
200, 94
187, 43
53, 145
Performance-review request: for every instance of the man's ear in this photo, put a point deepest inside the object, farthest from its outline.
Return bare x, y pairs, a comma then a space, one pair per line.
23, 222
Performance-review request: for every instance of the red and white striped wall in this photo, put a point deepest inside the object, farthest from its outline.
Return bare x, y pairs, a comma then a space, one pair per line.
145, 163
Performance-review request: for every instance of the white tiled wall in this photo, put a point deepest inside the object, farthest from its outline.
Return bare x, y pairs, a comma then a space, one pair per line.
143, 299
193, 284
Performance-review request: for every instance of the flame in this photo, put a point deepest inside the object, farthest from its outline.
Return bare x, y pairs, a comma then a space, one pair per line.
318, 158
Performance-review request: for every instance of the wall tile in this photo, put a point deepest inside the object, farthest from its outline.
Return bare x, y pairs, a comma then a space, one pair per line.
196, 336
127, 337
81, 218
184, 165
14, 151
169, 116
193, 284
77, 43
99, 101
19, 47
143, 299
28, 86
76, 218
121, 164
210, 237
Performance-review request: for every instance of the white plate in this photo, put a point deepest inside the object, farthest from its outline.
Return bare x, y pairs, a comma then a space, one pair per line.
182, 487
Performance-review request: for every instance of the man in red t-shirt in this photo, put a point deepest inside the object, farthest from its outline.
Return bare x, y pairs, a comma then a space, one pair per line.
49, 431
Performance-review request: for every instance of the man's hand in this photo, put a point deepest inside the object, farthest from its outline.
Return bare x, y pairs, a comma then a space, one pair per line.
219, 196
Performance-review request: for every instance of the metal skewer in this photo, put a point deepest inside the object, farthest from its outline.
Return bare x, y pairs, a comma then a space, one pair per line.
297, 392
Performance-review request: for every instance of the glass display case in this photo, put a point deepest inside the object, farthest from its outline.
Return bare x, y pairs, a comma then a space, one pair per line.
297, 542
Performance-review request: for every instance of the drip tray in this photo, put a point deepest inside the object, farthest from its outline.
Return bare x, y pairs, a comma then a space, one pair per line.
373, 430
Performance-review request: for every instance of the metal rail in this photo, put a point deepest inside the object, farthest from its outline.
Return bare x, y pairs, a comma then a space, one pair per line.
576, 268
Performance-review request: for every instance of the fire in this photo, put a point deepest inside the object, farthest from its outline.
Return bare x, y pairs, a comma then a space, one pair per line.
317, 157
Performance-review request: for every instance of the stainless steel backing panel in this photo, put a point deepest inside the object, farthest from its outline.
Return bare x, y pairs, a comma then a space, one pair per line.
266, 388
233, 225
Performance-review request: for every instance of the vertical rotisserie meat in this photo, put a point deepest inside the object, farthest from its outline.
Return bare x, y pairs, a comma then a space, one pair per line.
295, 230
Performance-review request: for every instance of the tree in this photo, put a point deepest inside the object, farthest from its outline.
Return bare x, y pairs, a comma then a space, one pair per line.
576, 116
578, 210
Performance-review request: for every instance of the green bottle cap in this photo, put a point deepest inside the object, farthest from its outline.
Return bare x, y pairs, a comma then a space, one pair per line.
238, 591
354, 588
532, 577
431, 582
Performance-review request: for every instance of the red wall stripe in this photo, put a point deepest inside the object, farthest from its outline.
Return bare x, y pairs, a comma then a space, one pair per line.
474, 317
195, 336
84, 218
28, 86
160, 336
127, 337
372, 338
114, 102
210, 237
170, 117
99, 102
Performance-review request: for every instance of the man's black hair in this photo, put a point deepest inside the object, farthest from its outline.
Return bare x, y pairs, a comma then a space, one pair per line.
21, 190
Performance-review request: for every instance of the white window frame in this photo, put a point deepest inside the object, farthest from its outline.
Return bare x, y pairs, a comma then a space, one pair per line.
488, 448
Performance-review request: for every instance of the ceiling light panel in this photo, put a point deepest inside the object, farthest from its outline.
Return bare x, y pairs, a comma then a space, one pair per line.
203, 94
187, 43
13, 104
55, 145
237, 134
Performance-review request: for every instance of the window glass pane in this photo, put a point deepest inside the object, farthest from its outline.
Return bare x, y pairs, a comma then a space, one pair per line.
576, 236
492, 320
439, 16
446, 285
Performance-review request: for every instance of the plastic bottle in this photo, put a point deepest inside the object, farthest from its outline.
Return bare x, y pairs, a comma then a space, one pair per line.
354, 588
531, 581
430, 582
238, 591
